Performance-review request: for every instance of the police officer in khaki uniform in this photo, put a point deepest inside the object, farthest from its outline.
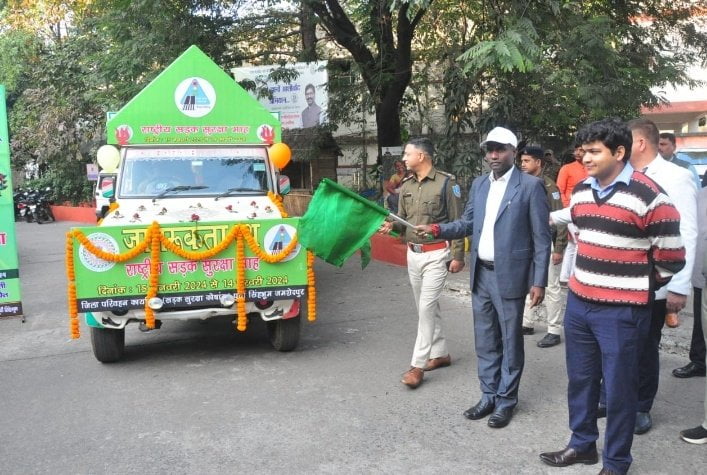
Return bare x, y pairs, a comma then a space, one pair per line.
428, 196
534, 162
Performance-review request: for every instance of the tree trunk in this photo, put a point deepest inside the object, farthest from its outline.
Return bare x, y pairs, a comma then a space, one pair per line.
388, 134
308, 29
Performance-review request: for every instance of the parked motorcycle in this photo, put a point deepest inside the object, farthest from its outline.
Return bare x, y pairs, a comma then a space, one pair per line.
42, 212
22, 211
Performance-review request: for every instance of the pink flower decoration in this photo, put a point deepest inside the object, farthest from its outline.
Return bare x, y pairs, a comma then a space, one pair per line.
195, 217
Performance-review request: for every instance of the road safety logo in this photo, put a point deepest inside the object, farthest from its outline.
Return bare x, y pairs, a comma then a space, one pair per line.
195, 97
278, 237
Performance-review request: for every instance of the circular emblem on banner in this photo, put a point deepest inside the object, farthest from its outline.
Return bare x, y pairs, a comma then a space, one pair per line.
195, 97
278, 237
104, 242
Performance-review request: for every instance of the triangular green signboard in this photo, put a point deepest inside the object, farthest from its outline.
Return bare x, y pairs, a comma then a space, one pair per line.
193, 101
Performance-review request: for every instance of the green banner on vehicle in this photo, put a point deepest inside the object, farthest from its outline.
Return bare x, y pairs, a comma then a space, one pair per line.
193, 101
10, 299
102, 285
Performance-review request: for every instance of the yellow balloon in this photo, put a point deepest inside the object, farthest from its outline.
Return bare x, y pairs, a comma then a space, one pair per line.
108, 158
280, 155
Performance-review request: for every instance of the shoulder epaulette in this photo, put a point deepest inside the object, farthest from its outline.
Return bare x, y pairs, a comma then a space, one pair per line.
450, 175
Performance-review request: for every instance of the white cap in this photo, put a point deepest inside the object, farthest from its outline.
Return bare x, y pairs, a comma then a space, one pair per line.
502, 136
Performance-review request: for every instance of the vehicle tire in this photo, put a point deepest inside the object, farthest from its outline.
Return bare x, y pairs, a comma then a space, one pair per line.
284, 334
108, 344
38, 215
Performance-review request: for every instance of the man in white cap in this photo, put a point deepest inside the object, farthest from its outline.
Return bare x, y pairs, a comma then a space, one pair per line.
507, 215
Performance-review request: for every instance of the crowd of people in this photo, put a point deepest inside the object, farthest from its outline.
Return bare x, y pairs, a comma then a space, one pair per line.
619, 238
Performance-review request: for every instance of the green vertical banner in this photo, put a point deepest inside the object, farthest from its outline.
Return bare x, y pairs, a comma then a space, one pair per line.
10, 302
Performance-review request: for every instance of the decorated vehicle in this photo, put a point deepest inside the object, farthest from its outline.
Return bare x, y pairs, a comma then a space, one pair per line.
196, 228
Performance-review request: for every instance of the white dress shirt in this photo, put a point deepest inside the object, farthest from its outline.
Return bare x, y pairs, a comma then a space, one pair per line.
679, 184
497, 188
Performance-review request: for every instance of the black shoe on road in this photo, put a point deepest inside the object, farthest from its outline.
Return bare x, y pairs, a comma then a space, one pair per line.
549, 340
690, 370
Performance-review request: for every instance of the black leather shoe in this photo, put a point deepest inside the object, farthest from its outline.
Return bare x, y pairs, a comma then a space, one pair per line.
569, 456
690, 370
643, 423
501, 417
528, 330
608, 471
480, 410
549, 340
601, 411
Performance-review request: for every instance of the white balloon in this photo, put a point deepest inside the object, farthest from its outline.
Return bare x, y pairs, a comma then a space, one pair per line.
108, 158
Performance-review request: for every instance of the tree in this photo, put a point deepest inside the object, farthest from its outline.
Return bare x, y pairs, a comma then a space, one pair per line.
103, 57
550, 69
379, 35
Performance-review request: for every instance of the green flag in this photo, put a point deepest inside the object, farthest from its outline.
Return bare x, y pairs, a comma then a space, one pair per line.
338, 222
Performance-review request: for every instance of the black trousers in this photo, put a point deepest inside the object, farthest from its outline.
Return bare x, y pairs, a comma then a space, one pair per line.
697, 345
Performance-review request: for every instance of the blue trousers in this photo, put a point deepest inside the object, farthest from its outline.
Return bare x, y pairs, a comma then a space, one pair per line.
602, 342
498, 339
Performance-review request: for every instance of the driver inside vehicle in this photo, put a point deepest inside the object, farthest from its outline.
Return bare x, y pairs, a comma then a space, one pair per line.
242, 176
157, 179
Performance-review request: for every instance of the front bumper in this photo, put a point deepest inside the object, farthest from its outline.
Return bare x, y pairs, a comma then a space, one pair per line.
280, 309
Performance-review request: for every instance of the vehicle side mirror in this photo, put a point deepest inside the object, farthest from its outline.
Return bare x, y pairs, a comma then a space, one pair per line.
283, 184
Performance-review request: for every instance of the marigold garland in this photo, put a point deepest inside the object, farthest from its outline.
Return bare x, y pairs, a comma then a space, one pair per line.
111, 207
311, 290
107, 256
277, 201
71, 289
242, 318
155, 238
155, 235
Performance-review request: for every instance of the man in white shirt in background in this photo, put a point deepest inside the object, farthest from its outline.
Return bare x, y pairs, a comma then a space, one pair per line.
680, 187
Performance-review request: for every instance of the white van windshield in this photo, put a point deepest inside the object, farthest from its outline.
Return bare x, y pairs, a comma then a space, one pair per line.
182, 172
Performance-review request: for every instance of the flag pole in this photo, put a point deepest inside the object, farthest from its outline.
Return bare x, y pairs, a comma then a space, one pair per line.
400, 220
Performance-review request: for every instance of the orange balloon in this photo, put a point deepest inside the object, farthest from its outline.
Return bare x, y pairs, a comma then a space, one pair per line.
280, 155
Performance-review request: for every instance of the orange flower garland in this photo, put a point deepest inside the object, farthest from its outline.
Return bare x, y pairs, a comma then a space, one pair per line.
154, 238
107, 256
242, 319
112, 207
277, 201
198, 256
154, 273
311, 290
71, 276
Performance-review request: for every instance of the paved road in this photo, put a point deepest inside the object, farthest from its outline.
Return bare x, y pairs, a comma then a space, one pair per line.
200, 398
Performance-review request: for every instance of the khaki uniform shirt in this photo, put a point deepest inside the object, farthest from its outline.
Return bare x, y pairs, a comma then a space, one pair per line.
559, 232
430, 201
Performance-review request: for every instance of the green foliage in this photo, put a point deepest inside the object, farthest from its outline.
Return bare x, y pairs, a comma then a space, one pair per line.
514, 49
111, 51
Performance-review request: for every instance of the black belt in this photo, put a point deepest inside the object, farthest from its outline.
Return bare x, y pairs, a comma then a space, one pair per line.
486, 264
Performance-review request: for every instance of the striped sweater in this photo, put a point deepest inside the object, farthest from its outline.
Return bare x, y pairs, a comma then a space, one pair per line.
625, 239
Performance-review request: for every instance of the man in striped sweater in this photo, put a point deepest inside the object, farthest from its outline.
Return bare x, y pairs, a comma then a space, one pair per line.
628, 244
